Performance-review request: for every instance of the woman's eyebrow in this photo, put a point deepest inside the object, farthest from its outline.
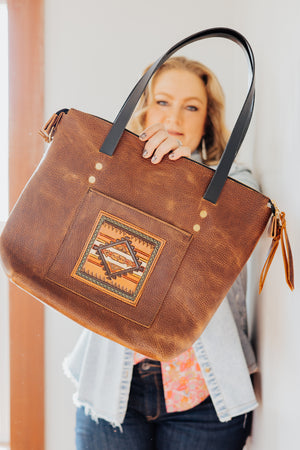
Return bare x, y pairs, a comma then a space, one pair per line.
194, 98
187, 99
163, 93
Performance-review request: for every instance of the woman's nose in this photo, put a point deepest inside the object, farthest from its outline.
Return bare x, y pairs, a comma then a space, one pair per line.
174, 115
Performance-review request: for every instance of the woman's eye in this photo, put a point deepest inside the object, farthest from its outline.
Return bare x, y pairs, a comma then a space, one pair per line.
162, 102
192, 108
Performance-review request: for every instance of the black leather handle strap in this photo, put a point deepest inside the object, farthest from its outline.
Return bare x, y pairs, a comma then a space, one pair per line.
238, 133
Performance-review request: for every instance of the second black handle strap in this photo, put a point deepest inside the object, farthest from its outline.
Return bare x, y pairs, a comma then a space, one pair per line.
238, 133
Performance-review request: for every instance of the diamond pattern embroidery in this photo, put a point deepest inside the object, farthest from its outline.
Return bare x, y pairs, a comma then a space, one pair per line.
118, 258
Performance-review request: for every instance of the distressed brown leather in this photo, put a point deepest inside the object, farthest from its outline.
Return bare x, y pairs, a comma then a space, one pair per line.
52, 222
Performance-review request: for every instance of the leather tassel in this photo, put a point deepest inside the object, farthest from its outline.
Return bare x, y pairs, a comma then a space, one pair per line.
279, 233
47, 132
287, 253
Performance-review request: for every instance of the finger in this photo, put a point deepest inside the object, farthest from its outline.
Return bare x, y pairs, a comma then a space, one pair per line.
154, 142
150, 131
179, 152
169, 144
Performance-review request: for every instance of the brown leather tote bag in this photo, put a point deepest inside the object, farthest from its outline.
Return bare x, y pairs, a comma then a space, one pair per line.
140, 254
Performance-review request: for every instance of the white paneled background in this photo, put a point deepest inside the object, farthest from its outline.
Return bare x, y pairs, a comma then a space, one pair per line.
3, 112
4, 360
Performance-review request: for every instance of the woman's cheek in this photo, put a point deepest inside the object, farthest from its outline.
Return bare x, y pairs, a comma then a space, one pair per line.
153, 115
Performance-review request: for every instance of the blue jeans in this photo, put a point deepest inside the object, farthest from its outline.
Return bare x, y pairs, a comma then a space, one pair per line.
147, 425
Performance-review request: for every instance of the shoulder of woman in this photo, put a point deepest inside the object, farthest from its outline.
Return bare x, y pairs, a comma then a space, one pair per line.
243, 174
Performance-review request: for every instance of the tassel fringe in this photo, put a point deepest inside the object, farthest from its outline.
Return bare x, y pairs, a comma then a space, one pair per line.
279, 234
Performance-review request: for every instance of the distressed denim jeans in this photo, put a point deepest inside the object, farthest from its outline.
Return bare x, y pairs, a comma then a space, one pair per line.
147, 425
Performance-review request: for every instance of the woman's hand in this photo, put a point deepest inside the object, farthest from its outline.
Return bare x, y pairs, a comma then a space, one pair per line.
160, 143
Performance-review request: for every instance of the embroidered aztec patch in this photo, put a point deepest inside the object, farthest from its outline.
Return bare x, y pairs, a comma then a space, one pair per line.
118, 257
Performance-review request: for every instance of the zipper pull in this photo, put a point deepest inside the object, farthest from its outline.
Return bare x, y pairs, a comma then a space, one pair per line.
279, 234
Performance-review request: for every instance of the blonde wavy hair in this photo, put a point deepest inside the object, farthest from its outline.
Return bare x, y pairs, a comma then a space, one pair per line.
216, 133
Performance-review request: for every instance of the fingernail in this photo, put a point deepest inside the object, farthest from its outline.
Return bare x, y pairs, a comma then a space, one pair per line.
145, 153
154, 159
142, 136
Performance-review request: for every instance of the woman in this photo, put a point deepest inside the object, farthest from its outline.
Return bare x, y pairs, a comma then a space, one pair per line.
203, 398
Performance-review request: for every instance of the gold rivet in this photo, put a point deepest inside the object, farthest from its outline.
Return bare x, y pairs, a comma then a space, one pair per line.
203, 214
196, 227
98, 166
92, 179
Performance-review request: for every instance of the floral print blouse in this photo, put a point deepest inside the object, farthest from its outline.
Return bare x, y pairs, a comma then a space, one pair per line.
183, 382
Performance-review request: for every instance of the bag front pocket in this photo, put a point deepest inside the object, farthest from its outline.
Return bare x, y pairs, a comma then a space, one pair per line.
120, 258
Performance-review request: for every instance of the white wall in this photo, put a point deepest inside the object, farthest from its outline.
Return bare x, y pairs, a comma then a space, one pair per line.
276, 155
4, 357
95, 52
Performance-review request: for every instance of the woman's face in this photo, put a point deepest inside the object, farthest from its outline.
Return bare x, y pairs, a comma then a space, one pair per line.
180, 104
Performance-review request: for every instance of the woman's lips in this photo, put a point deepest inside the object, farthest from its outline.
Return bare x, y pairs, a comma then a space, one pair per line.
175, 133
